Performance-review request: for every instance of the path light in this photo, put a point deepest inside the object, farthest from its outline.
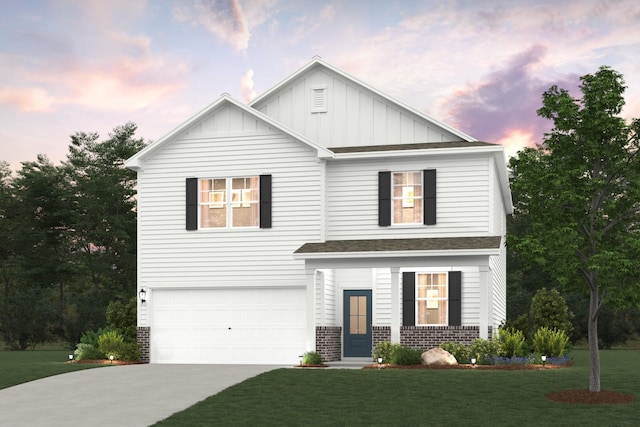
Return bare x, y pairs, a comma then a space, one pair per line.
379, 362
544, 359
71, 358
142, 295
111, 358
300, 360
473, 362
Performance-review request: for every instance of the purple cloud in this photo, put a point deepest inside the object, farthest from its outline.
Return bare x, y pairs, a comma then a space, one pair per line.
504, 104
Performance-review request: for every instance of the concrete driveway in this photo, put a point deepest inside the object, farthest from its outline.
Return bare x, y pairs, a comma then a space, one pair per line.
130, 395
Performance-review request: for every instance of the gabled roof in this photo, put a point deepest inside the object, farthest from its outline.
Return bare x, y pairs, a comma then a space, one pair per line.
135, 162
319, 62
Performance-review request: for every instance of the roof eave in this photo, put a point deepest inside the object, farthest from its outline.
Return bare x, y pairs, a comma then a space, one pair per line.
396, 254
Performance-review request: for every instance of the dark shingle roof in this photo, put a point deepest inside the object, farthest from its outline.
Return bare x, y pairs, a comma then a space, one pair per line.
395, 245
398, 147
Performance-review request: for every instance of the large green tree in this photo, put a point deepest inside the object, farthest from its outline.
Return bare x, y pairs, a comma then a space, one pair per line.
580, 192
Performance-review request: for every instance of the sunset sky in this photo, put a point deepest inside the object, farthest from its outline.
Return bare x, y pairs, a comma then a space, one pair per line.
479, 66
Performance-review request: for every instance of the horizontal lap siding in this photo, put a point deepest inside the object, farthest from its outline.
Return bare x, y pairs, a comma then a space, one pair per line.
462, 198
171, 256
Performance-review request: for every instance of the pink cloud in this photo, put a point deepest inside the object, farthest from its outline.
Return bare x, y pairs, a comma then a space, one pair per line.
30, 99
246, 86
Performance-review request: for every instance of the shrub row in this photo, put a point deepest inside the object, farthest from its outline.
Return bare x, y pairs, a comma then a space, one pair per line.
100, 344
397, 354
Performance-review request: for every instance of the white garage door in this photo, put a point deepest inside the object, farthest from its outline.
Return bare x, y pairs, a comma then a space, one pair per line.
250, 326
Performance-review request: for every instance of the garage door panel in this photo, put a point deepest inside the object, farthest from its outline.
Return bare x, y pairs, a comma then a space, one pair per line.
228, 326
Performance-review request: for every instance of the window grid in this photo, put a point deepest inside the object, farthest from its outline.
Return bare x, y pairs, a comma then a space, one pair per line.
229, 202
406, 197
432, 299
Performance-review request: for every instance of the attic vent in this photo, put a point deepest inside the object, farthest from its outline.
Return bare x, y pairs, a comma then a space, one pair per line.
319, 99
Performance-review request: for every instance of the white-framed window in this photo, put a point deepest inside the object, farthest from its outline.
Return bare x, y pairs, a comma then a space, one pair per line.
432, 299
407, 197
229, 202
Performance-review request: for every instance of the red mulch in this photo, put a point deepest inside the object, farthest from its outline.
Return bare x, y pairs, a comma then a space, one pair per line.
309, 365
106, 362
506, 367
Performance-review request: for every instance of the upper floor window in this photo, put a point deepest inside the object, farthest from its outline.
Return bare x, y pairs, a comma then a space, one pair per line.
407, 198
229, 202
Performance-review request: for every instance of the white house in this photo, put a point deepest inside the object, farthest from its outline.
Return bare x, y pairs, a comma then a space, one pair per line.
323, 216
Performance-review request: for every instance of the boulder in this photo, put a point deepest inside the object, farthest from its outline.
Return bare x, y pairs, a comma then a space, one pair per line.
438, 357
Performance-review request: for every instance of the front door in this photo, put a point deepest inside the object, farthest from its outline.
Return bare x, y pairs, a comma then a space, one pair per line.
357, 323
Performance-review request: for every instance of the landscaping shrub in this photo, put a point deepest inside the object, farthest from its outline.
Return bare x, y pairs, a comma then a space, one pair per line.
550, 342
85, 351
512, 343
549, 309
123, 318
386, 350
459, 351
111, 343
311, 358
484, 350
406, 356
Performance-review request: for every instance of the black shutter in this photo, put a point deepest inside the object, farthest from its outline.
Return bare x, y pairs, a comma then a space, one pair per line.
265, 201
408, 298
429, 191
192, 203
384, 199
455, 298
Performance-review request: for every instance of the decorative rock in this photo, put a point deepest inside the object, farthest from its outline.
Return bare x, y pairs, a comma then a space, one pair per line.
438, 357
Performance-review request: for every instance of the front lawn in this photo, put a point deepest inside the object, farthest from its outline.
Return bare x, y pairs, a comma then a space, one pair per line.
17, 367
420, 397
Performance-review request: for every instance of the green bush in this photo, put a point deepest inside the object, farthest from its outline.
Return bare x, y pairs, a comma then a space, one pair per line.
111, 343
123, 318
512, 343
386, 350
457, 350
484, 350
406, 356
549, 309
550, 342
85, 351
311, 358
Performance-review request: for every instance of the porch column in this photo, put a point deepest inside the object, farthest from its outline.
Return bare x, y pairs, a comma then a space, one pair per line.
396, 321
310, 274
485, 311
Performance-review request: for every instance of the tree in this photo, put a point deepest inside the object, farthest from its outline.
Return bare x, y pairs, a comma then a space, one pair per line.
580, 190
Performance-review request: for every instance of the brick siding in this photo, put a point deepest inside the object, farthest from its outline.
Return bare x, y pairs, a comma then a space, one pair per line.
329, 342
143, 336
427, 337
380, 334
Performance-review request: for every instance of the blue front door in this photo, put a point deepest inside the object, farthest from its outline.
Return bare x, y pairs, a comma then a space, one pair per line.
357, 323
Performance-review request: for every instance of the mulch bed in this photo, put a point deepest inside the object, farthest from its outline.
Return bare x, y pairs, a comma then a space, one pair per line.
505, 367
308, 365
106, 362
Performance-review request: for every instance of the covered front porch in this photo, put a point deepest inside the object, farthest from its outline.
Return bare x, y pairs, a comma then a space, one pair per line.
360, 293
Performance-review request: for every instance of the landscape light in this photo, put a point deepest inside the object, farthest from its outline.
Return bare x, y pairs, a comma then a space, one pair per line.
544, 359
473, 362
71, 358
111, 358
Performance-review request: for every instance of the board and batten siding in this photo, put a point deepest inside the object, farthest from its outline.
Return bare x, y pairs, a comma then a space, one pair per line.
462, 198
170, 256
355, 116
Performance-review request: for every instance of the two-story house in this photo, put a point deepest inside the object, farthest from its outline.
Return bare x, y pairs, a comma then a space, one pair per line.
323, 216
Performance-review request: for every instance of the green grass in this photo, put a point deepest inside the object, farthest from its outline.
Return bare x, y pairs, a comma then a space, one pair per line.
420, 397
17, 367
